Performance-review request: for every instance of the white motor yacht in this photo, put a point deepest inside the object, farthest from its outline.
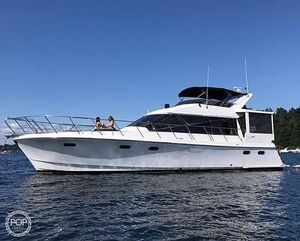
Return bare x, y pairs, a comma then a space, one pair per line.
209, 129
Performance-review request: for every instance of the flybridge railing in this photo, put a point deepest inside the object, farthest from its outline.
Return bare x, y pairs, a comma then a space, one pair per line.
54, 124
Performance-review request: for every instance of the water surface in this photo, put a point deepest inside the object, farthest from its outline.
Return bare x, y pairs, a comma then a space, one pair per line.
235, 205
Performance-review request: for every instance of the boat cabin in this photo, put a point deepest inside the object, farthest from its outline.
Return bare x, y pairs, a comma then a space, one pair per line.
213, 111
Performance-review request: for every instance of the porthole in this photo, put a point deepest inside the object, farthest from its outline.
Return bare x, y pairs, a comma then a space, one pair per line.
153, 148
246, 152
69, 144
125, 146
261, 152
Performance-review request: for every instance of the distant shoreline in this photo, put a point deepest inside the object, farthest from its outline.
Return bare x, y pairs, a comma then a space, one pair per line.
12, 147
290, 150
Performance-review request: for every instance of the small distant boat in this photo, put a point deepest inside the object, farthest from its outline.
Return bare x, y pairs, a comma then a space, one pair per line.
297, 150
4, 152
286, 150
3, 149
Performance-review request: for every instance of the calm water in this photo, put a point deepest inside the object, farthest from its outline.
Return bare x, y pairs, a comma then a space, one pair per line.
209, 206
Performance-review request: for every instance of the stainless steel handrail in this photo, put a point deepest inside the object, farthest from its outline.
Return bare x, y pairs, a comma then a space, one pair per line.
44, 124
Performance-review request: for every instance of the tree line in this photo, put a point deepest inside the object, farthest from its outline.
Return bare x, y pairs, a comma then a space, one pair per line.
13, 147
287, 127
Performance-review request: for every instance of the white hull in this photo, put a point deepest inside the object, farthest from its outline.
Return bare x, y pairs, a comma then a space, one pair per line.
103, 155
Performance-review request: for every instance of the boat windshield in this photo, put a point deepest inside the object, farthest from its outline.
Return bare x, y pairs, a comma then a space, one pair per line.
203, 101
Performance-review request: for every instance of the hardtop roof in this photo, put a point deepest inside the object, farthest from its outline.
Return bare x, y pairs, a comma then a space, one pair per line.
210, 93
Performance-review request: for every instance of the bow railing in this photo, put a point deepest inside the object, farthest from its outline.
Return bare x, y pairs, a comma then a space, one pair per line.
54, 124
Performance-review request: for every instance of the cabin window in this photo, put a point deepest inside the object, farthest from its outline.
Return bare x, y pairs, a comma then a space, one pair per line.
260, 123
171, 123
197, 124
188, 123
165, 123
147, 120
211, 125
242, 123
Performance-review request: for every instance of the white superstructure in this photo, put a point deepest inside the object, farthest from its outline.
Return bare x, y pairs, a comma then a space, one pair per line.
210, 128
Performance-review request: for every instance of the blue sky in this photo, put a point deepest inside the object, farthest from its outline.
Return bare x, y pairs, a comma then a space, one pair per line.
123, 58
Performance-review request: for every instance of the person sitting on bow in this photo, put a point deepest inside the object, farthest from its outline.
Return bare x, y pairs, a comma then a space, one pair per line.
111, 123
98, 125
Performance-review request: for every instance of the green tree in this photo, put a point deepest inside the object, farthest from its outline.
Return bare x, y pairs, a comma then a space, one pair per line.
287, 127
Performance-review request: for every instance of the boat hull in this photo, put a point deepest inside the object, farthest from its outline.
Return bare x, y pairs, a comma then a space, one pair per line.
102, 155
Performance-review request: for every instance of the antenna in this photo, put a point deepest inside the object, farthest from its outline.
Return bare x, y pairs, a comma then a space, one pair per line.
207, 83
246, 76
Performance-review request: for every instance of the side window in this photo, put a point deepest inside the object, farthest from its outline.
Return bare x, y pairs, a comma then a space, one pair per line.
242, 123
146, 121
260, 123
170, 123
211, 125
186, 123
197, 124
223, 126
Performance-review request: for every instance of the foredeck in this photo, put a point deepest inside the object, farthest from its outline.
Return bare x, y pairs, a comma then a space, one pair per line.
55, 124
73, 124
